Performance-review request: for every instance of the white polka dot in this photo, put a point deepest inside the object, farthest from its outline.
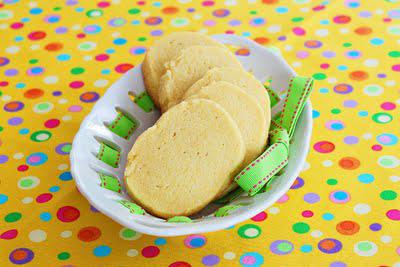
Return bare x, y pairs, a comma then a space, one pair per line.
332, 80
63, 100
322, 32
230, 2
5, 97
390, 83
27, 200
132, 253
371, 62
397, 264
316, 233
306, 166
229, 255
327, 163
379, 11
344, 30
32, 4
297, 64
274, 28
398, 101
394, 178
35, 47
386, 239
66, 234
203, 30
365, 248
42, 137
50, 80
62, 167
389, 161
367, 136
115, 34
18, 155
76, 27
251, 232
252, 1
145, 14
362, 208
184, 1
116, 2
305, 9
13, 49
4, 26
37, 236
288, 48
197, 16
66, 118
6, 14
274, 210
100, 83
87, 58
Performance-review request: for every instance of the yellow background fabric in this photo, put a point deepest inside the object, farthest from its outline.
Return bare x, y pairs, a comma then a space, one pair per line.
58, 57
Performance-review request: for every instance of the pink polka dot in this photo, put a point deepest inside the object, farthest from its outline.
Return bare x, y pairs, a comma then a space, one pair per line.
208, 3
150, 251
75, 108
324, 65
102, 57
34, 159
396, 67
17, 25
260, 217
388, 106
9, 234
376, 147
283, 199
307, 213
43, 198
248, 260
76, 84
302, 54
398, 250
393, 214
52, 123
299, 31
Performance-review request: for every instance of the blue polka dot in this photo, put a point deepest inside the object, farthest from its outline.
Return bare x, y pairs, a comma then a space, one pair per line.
105, 71
79, 9
328, 216
366, 178
246, 34
353, 53
342, 67
20, 85
65, 176
63, 57
36, 70
25, 19
53, 19
102, 251
324, 90
110, 51
315, 114
45, 216
281, 9
324, 22
140, 51
353, 4
3, 198
197, 242
337, 126
54, 189
156, 4
340, 195
119, 41
363, 113
306, 248
230, 227
35, 11
135, 22
376, 41
160, 241
18, 38
24, 131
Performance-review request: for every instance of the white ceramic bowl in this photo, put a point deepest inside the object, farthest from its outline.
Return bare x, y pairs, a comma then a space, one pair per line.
263, 63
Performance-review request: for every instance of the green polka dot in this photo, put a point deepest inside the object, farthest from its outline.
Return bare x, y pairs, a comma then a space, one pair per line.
301, 228
249, 231
134, 11
43, 106
40, 136
26, 183
335, 111
382, 117
63, 256
346, 44
297, 19
319, 76
94, 13
388, 195
57, 8
33, 61
77, 70
394, 54
284, 247
1, 93
395, 30
66, 148
1, 127
331, 181
142, 39
253, 12
128, 233
364, 246
12, 217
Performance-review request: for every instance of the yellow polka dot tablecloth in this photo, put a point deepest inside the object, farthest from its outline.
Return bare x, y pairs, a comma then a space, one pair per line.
57, 58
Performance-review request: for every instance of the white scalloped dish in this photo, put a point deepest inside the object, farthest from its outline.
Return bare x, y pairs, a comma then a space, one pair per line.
86, 166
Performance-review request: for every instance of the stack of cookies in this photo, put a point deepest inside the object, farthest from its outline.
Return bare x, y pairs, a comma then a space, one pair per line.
215, 121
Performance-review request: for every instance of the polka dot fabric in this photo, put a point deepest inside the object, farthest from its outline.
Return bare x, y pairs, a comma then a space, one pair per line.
57, 58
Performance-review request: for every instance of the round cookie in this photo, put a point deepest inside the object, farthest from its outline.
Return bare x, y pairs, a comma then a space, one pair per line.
179, 165
165, 49
190, 66
245, 111
239, 77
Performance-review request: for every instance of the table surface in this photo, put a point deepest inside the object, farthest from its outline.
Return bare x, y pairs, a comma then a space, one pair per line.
58, 57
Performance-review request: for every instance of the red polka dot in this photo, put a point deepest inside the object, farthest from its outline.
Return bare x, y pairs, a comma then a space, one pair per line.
169, 10
80, 35
307, 213
43, 198
349, 163
347, 227
124, 67
68, 214
3, 83
376, 147
150, 251
358, 75
324, 147
269, 2
76, 84
363, 30
88, 234
341, 19
318, 8
102, 57
22, 168
33, 93
52, 123
37, 35
260, 217
54, 46
17, 25
180, 264
9, 234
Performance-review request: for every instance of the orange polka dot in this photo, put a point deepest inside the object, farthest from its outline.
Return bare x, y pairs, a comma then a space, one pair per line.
243, 52
262, 40
327, 244
358, 75
347, 227
169, 10
33, 93
88, 234
269, 2
363, 30
349, 163
54, 46
19, 254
